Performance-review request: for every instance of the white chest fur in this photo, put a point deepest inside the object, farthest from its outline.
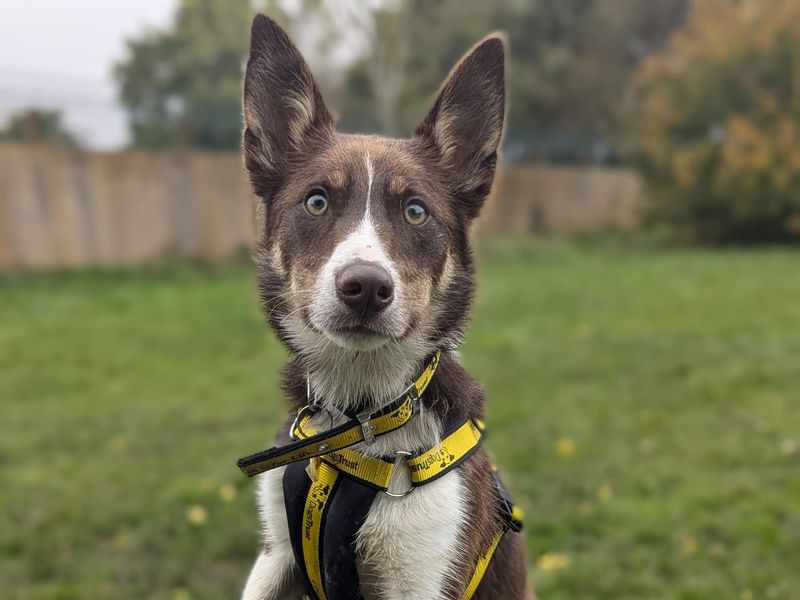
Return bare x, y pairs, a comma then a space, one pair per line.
406, 545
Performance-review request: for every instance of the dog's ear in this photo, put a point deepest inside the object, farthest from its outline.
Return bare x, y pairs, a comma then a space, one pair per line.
465, 125
284, 113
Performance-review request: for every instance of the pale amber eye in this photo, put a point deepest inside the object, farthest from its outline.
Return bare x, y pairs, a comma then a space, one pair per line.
415, 213
317, 203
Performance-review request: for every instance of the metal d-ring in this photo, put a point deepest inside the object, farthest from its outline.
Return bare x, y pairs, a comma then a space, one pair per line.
405, 455
299, 417
296, 422
311, 406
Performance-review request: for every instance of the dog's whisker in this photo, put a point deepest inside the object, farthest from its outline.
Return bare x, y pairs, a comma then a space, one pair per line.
295, 311
283, 298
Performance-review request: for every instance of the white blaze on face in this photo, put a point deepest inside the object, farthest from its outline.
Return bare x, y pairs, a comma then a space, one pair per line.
365, 244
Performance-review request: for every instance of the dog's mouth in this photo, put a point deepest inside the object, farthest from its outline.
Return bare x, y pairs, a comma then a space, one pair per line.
358, 331
351, 333
360, 337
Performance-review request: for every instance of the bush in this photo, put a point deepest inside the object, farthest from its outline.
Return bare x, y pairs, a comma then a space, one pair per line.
720, 138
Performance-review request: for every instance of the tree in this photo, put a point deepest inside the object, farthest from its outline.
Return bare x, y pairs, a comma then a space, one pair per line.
184, 85
379, 62
720, 127
571, 64
37, 125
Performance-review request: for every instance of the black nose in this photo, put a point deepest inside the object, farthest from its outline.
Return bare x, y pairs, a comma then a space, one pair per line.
365, 287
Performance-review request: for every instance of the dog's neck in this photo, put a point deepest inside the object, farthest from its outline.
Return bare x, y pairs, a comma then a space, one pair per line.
345, 380
452, 395
359, 381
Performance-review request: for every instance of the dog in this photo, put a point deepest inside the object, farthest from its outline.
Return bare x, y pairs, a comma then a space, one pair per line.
365, 273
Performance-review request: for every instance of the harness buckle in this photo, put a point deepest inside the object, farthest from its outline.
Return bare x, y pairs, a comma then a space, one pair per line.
367, 427
509, 514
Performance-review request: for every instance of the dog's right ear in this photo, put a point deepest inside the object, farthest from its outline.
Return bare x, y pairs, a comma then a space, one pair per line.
465, 125
284, 113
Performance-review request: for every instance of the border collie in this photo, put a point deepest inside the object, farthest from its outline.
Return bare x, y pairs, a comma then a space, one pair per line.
365, 272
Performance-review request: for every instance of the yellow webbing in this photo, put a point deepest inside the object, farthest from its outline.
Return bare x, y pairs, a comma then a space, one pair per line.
373, 470
316, 501
423, 467
483, 564
425, 377
349, 437
380, 425
451, 449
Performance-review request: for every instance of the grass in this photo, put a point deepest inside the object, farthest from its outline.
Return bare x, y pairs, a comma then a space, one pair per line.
643, 406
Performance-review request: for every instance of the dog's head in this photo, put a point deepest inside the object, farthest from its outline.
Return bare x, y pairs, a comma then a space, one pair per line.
364, 242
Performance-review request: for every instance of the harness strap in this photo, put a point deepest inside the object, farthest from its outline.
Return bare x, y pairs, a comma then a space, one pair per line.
314, 515
296, 484
363, 428
510, 520
483, 563
347, 513
510, 513
324, 519
456, 447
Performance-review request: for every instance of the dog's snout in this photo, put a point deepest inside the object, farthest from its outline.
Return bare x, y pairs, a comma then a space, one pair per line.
365, 287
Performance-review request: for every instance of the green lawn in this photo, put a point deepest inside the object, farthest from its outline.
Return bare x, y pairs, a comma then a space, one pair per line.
644, 406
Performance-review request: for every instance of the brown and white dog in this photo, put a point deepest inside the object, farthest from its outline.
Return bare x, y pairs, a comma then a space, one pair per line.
365, 269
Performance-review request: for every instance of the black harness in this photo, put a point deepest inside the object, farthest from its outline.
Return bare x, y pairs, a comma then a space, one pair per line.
329, 488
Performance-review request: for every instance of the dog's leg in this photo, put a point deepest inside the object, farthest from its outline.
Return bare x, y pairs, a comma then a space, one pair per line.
275, 575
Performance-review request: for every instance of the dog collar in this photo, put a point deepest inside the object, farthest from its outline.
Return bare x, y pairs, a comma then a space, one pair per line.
366, 427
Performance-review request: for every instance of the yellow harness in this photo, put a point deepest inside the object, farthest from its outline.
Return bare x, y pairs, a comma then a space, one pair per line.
325, 476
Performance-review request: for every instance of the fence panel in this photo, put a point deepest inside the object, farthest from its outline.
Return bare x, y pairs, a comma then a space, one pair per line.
64, 208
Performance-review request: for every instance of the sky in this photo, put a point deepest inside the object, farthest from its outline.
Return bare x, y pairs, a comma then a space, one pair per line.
59, 54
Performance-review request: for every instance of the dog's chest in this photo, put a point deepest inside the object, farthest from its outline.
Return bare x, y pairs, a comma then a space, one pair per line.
407, 546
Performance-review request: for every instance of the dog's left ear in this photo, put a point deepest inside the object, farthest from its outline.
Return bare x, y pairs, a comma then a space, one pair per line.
465, 125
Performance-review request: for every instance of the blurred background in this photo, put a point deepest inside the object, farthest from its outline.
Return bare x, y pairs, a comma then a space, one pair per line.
637, 325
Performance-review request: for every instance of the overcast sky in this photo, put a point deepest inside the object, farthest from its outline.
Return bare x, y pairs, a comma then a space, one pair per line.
59, 54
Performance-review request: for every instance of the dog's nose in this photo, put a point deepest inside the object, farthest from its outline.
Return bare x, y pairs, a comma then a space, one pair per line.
365, 287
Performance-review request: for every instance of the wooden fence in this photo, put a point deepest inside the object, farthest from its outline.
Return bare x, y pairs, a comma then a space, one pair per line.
63, 208
548, 200
60, 208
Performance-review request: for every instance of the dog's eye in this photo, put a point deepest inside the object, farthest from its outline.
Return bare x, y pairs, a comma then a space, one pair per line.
415, 213
317, 203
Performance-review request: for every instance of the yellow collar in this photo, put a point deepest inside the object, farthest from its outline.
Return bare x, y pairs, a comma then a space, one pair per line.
365, 428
